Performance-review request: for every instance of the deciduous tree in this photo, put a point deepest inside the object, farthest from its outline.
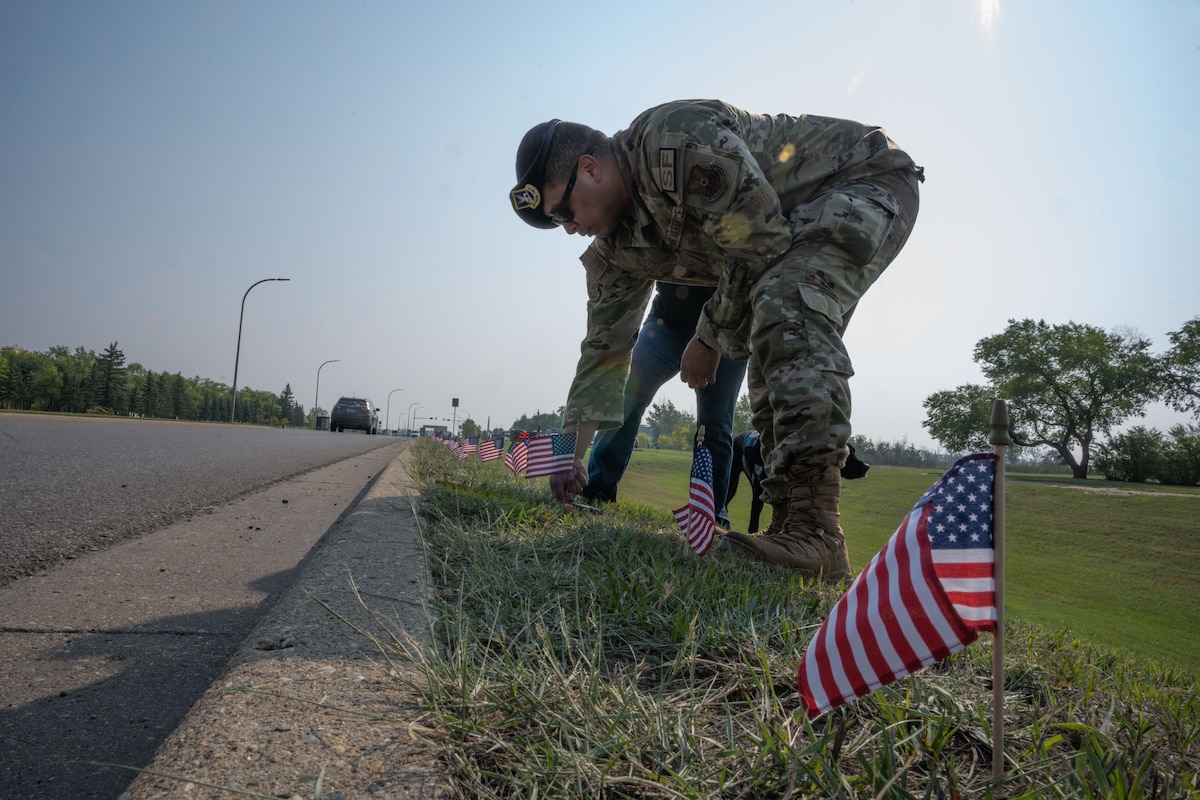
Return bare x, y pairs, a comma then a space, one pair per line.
1181, 368
1065, 385
663, 418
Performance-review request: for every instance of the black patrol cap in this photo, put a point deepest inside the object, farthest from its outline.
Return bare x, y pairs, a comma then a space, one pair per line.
526, 196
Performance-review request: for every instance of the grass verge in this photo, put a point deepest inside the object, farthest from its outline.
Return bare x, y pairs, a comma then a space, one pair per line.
583, 655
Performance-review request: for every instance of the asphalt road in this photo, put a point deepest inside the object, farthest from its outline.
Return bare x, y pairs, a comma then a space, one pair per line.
147, 551
74, 485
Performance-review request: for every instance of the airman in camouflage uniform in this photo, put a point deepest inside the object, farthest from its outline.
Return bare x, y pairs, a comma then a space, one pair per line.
792, 218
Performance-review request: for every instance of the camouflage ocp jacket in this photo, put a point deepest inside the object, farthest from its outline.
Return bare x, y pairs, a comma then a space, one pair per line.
712, 187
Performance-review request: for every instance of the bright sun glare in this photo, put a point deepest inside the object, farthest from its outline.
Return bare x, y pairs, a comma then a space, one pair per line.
988, 11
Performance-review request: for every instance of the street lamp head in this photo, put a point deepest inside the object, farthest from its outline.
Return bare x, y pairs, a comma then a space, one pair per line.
238, 354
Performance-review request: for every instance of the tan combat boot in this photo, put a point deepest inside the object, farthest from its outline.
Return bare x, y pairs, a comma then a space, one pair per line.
778, 515
810, 538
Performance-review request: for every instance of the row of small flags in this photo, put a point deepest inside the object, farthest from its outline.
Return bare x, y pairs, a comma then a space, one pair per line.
926, 595
536, 456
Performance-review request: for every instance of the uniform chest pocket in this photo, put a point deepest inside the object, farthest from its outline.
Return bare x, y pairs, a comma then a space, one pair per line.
856, 219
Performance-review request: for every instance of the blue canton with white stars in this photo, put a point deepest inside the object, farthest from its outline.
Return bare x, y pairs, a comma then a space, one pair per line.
961, 516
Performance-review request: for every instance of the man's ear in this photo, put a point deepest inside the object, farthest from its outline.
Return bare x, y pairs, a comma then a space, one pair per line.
590, 166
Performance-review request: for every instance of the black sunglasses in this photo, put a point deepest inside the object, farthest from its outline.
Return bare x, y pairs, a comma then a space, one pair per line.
562, 213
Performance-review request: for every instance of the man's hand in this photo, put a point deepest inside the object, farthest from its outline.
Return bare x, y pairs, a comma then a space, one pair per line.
569, 482
698, 366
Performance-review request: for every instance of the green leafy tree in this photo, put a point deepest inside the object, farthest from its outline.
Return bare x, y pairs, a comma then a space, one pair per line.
680, 438
960, 418
1066, 384
75, 367
663, 418
17, 390
1180, 464
1133, 456
546, 423
136, 377
45, 382
470, 427
1181, 368
5, 374
741, 415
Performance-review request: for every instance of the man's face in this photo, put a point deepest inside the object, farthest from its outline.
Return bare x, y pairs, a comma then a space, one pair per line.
589, 206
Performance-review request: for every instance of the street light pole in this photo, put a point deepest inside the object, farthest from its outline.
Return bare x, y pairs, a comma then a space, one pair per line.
317, 394
387, 414
238, 356
408, 420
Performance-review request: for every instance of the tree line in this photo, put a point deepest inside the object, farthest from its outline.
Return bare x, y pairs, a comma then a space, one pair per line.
1070, 387
84, 382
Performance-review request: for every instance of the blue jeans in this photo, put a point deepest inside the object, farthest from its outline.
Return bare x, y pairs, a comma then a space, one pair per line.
655, 361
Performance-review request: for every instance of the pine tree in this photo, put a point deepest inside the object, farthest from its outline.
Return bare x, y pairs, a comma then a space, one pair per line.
287, 402
109, 377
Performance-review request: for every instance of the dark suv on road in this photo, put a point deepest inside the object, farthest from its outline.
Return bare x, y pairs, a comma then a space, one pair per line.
355, 413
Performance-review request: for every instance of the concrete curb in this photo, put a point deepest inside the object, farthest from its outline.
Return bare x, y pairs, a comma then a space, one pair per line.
308, 705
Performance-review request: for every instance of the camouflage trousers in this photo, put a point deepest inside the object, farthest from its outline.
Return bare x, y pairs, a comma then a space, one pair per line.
799, 372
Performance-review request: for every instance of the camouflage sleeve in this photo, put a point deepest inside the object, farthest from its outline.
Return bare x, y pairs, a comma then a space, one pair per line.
724, 322
616, 307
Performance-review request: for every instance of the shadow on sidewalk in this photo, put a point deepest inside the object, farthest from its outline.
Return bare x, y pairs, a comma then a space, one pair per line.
155, 673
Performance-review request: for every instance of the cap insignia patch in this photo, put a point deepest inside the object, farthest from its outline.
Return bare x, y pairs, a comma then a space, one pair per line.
527, 196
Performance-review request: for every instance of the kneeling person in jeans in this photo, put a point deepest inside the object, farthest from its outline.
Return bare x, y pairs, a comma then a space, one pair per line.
661, 341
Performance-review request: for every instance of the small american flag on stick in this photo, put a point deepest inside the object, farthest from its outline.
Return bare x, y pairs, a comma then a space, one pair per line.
925, 596
697, 519
550, 454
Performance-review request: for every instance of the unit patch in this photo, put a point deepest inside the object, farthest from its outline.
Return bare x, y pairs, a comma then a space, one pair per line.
708, 182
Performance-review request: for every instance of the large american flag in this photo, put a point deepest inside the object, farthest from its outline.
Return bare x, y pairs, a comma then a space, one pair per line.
925, 596
515, 458
490, 449
550, 454
697, 519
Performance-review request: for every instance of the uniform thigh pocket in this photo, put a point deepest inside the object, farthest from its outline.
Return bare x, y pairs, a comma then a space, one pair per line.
789, 333
856, 221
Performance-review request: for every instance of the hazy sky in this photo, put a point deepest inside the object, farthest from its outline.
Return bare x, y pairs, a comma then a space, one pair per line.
158, 158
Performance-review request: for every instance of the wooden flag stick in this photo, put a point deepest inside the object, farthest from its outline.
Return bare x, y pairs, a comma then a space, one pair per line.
999, 440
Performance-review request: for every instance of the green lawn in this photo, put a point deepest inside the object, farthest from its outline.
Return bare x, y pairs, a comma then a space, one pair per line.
582, 655
1118, 570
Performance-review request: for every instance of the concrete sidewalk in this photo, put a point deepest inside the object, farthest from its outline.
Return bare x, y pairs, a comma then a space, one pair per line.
102, 658
308, 706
